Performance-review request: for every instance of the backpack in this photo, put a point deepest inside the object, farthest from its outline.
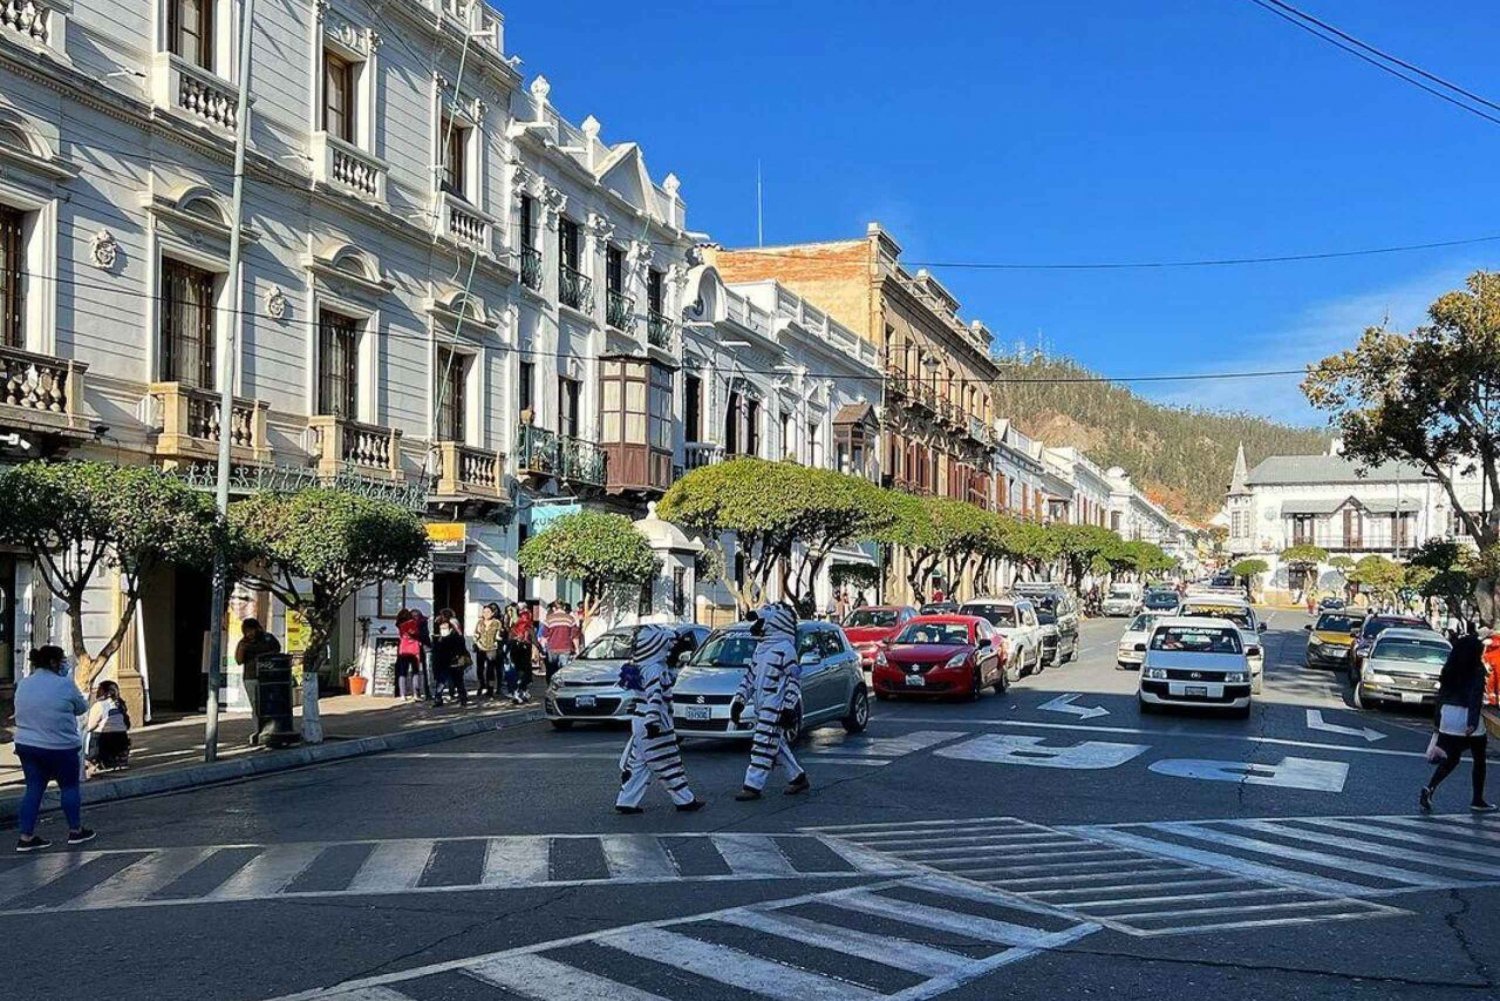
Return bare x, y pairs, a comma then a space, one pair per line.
630, 677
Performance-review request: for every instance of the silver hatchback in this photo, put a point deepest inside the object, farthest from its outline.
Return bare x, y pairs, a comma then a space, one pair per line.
833, 684
587, 689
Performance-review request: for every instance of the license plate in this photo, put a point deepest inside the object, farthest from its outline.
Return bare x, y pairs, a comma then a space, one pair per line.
1411, 696
916, 681
699, 712
1195, 691
586, 701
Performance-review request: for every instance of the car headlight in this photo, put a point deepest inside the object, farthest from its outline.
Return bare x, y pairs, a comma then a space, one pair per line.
880, 660
958, 660
1125, 648
1236, 678
1381, 679
1156, 673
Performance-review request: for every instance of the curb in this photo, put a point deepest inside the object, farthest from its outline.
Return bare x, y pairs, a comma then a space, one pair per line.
255, 765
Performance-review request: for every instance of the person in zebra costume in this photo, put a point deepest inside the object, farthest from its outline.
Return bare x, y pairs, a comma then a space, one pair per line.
652, 750
773, 687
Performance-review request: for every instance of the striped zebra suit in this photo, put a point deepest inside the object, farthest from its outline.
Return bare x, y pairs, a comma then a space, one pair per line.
771, 687
647, 756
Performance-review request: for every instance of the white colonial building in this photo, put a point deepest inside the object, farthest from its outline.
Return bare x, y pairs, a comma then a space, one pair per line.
1091, 488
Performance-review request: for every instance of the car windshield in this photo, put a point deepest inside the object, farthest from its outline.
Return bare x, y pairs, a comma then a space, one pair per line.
1003, 616
1046, 617
1336, 622
1196, 639
871, 617
1161, 599
1375, 627
1237, 614
613, 645
1121, 592
1417, 651
935, 634
1142, 623
732, 649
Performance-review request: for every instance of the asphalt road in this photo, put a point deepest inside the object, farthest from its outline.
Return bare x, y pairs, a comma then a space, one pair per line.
1051, 841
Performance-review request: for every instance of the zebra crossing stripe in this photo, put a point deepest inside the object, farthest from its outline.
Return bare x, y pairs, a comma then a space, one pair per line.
753, 855
1369, 848
391, 867
901, 953
731, 966
959, 923
1390, 873
639, 856
1406, 837
268, 873
538, 977
371, 994
140, 879
37, 872
513, 862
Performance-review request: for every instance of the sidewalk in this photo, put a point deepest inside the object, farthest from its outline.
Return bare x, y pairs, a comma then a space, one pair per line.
169, 756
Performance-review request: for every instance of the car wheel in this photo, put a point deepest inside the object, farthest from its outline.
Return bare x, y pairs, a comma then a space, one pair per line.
859, 712
1359, 700
1002, 684
976, 683
1040, 664
794, 732
561, 724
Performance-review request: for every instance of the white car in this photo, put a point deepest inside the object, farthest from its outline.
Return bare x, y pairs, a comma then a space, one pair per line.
1195, 662
1015, 620
1402, 667
1132, 646
1242, 614
1123, 599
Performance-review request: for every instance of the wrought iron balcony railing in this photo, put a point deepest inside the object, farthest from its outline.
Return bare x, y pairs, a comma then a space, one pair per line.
658, 331
546, 453
619, 311
531, 268
575, 289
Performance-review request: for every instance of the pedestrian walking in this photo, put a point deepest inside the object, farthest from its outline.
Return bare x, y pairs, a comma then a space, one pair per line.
772, 688
488, 655
107, 729
1459, 726
450, 657
48, 743
408, 655
523, 651
561, 639
651, 752
254, 644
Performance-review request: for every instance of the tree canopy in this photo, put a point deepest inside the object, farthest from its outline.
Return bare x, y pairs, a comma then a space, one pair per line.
1304, 557
1250, 568
1378, 575
600, 551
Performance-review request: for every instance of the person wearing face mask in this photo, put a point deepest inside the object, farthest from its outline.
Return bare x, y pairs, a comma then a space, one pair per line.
772, 686
450, 655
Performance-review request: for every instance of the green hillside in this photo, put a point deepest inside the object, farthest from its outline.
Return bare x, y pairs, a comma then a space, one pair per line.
1181, 456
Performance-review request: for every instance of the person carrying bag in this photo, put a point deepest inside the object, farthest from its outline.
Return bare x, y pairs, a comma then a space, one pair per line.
1459, 727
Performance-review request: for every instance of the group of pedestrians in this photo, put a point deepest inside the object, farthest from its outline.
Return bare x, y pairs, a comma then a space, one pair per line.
505, 649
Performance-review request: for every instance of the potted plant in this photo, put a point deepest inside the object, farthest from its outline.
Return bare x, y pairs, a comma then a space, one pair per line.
355, 681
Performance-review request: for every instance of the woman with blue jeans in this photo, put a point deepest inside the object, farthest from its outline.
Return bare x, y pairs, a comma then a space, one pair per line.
49, 745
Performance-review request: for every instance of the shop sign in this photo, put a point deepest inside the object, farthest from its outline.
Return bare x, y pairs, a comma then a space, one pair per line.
543, 515
447, 536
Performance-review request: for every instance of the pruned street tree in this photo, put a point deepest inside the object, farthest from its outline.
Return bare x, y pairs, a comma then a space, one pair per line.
1442, 570
1380, 577
1249, 571
915, 532
603, 552
1429, 397
833, 511
78, 518
1078, 546
315, 548
1303, 560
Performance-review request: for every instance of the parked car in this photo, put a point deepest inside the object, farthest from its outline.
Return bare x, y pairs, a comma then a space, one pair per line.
1330, 604
1368, 631
1330, 638
833, 685
1198, 662
1057, 612
939, 608
942, 655
1015, 620
867, 628
587, 688
1243, 615
1131, 649
1161, 600
1122, 599
1402, 666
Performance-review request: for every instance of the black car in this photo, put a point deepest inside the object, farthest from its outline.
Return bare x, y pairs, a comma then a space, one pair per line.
939, 608
1055, 606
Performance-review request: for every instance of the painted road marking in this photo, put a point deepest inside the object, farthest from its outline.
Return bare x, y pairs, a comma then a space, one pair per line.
1315, 721
1288, 773
404, 866
881, 927
1019, 749
839, 743
1064, 704
1119, 880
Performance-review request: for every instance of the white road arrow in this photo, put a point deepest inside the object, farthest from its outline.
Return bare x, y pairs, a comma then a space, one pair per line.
1315, 722
1064, 704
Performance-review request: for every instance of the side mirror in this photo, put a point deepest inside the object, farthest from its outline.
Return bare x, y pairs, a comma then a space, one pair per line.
1262, 627
1140, 648
1308, 627
809, 659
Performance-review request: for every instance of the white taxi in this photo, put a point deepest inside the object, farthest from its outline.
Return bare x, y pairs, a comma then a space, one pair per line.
1242, 614
1131, 649
1195, 662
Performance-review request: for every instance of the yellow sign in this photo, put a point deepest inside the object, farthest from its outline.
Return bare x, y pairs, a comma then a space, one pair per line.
297, 632
447, 536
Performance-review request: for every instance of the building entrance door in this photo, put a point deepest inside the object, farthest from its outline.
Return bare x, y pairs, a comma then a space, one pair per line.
192, 598
448, 591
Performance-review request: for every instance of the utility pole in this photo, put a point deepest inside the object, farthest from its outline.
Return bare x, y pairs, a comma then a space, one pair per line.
228, 347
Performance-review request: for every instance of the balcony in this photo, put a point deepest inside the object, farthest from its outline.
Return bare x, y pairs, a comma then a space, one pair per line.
182, 87
189, 423
542, 453
35, 22
658, 331
896, 381
486, 25
619, 310
42, 393
344, 446
345, 166
531, 268
697, 454
463, 224
465, 473
575, 289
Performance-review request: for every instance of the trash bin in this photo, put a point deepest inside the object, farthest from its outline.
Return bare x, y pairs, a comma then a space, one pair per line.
273, 700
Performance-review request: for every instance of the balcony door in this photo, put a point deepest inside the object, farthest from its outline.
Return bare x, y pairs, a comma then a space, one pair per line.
187, 325
190, 31
338, 365
12, 278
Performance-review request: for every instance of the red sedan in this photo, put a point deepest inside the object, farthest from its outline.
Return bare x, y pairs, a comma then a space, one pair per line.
941, 655
868, 629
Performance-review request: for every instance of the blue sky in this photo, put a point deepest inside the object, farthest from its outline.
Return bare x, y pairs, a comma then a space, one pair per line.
1070, 130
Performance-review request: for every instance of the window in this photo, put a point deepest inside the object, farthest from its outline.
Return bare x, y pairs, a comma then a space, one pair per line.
190, 31
187, 325
692, 403
568, 243
338, 97
732, 424
452, 369
528, 222
567, 406
12, 275
661, 408
656, 292
788, 442
813, 443
338, 365
1302, 529
636, 404
614, 270
524, 382
454, 141
752, 427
